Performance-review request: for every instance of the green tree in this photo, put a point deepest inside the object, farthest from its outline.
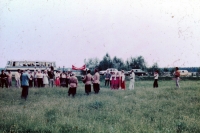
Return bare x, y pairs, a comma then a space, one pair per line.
137, 63
166, 69
106, 62
118, 63
92, 63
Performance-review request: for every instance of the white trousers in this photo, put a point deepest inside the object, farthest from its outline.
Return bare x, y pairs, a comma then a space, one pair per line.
131, 85
18, 83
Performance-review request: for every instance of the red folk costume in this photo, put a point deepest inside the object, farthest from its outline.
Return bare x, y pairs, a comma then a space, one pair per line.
57, 81
117, 81
112, 81
123, 84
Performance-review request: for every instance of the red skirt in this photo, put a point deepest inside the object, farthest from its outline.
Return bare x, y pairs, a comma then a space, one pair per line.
57, 81
123, 85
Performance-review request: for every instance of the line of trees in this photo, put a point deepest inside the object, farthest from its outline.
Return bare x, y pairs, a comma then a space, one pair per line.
131, 63
118, 63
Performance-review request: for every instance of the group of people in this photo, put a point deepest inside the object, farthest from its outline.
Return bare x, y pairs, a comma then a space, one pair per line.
176, 78
117, 80
37, 78
26, 79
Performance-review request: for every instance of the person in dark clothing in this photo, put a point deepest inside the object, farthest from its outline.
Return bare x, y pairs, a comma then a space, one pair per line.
107, 78
73, 83
39, 79
63, 79
3, 77
155, 84
96, 82
87, 80
67, 79
51, 78
25, 84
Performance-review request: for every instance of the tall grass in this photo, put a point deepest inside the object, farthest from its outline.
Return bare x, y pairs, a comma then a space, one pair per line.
144, 110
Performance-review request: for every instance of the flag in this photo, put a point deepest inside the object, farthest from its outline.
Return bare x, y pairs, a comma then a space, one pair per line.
80, 68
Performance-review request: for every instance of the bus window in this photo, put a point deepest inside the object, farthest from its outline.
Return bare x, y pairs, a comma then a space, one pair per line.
53, 64
14, 63
20, 63
29, 63
37, 64
42, 64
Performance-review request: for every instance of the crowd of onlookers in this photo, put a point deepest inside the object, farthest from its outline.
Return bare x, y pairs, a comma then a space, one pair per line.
50, 78
37, 78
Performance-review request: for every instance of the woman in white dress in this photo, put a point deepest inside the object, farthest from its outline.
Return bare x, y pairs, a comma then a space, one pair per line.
45, 79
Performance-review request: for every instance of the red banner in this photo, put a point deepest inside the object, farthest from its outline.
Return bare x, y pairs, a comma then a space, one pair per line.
80, 68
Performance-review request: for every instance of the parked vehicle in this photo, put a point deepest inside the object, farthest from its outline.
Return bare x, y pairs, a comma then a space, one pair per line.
185, 73
166, 74
137, 72
13, 66
109, 70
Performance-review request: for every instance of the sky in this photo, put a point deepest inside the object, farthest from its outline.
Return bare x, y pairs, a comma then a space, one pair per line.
69, 31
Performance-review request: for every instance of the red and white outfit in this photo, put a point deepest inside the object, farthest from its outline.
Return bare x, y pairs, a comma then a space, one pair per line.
112, 81
123, 84
57, 80
117, 79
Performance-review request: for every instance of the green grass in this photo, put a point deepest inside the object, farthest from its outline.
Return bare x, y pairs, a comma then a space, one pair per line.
144, 110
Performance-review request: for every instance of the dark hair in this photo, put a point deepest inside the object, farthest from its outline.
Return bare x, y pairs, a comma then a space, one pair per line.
18, 70
88, 71
157, 71
96, 70
2, 70
176, 68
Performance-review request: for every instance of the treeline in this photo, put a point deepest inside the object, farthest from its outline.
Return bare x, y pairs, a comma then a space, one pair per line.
131, 63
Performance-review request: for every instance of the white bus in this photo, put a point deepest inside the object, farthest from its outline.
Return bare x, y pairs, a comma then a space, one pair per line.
13, 66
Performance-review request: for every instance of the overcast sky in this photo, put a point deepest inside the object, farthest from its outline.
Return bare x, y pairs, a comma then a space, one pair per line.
69, 31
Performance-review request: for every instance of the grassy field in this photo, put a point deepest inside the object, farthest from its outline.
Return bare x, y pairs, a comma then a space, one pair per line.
144, 110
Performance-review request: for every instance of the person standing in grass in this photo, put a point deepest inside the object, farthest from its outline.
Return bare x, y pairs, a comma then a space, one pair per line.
87, 79
63, 79
177, 76
112, 81
123, 84
45, 79
35, 78
17, 78
132, 80
24, 84
57, 80
39, 79
67, 78
9, 74
31, 79
107, 78
51, 78
96, 82
73, 84
117, 81
155, 84
3, 77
